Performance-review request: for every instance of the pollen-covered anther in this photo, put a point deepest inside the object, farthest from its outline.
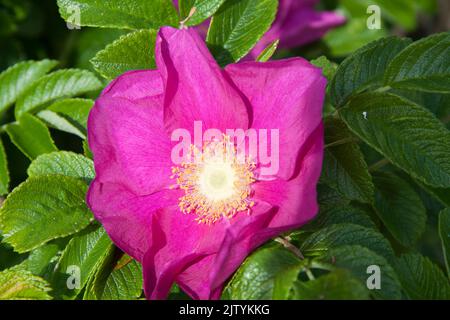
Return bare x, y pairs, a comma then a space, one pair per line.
216, 181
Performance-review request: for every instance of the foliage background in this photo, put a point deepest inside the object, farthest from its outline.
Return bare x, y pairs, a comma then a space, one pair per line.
384, 189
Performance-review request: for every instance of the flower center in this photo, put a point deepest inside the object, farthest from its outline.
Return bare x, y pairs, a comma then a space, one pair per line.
216, 181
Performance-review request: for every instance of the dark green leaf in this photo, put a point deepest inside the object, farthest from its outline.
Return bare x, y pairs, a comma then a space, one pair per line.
344, 168
400, 208
268, 272
336, 285
421, 279
406, 134
344, 214
346, 234
364, 68
357, 259
444, 232
424, 65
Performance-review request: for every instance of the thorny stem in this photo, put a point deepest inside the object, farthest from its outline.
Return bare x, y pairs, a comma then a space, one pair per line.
290, 247
378, 165
341, 141
191, 13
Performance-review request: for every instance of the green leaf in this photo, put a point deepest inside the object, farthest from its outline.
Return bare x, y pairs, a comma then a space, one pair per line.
203, 10
400, 208
364, 68
336, 285
42, 261
237, 26
19, 284
351, 36
84, 252
444, 233
75, 110
138, 14
346, 234
123, 283
268, 52
268, 272
328, 67
344, 168
54, 120
423, 66
134, 51
18, 78
344, 214
406, 134
421, 279
44, 208
64, 163
357, 259
4, 174
31, 136
59, 84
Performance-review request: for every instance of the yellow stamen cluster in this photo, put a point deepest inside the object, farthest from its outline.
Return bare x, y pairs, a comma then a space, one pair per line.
216, 181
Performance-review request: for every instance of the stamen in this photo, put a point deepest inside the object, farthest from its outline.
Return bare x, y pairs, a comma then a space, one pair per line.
217, 182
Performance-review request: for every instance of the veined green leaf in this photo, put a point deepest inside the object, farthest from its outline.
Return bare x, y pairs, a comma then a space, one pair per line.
19, 284
64, 163
52, 204
268, 272
421, 279
268, 52
82, 257
345, 169
134, 51
346, 234
4, 173
75, 110
364, 68
336, 285
423, 66
406, 134
137, 14
444, 233
237, 26
18, 78
344, 214
203, 10
56, 121
358, 259
59, 84
31, 136
400, 208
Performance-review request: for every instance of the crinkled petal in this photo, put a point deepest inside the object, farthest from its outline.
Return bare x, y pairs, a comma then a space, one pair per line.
286, 95
127, 135
195, 87
126, 216
187, 258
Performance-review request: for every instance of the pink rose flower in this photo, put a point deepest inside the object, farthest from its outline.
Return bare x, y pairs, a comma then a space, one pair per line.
297, 23
194, 223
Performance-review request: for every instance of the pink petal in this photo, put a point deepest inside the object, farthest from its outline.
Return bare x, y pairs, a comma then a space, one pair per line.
188, 258
286, 95
127, 135
126, 216
296, 198
195, 86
